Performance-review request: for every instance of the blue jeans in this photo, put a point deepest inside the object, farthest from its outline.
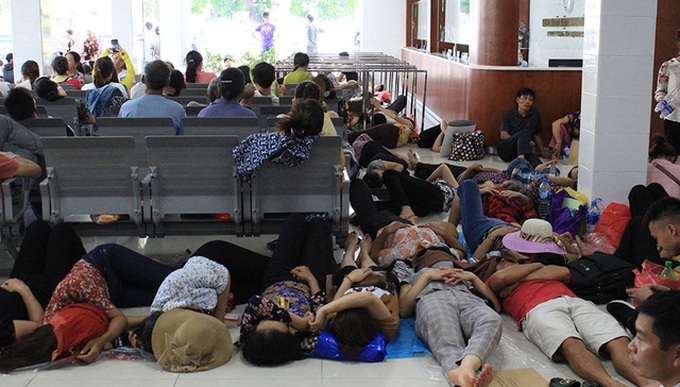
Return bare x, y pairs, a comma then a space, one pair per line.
132, 278
475, 223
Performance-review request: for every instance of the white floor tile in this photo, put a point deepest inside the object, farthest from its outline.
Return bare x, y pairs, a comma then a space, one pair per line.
16, 380
422, 368
238, 368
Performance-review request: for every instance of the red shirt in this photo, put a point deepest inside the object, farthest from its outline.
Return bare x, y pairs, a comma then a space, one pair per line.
75, 325
8, 167
530, 294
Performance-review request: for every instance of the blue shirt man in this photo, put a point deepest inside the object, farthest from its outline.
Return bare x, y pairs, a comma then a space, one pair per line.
156, 77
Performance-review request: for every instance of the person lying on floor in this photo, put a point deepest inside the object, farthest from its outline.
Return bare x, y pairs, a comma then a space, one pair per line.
456, 315
365, 302
82, 316
432, 195
396, 238
562, 325
483, 233
275, 327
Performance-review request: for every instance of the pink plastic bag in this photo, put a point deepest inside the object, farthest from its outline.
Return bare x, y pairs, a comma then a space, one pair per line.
651, 274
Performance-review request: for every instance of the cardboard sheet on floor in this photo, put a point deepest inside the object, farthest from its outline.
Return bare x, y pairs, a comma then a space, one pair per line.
523, 377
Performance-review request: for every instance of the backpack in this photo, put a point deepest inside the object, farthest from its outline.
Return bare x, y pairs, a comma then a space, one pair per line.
99, 99
601, 277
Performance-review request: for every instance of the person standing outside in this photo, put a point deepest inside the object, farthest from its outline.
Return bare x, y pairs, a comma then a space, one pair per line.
312, 35
267, 33
667, 95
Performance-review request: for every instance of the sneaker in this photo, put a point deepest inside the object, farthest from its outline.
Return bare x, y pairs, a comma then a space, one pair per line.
624, 312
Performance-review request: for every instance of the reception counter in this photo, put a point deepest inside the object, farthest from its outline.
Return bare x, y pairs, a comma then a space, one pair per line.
483, 93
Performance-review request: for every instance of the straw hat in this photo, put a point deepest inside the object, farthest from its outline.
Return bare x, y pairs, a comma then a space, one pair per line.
188, 341
536, 236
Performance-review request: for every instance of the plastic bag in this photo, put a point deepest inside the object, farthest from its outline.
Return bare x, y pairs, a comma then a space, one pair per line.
612, 223
599, 242
651, 274
564, 219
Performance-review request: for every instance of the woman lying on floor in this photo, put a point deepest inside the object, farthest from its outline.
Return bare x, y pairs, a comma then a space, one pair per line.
365, 303
82, 315
396, 238
275, 327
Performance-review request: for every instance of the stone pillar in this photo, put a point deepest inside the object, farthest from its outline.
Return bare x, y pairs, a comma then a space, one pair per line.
618, 55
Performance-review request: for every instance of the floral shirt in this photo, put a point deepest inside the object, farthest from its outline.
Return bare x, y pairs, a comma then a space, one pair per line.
91, 49
275, 303
251, 153
195, 286
668, 86
406, 242
84, 284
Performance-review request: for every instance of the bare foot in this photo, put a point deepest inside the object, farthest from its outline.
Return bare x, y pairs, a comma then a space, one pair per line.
463, 377
366, 243
443, 125
406, 213
364, 260
412, 159
583, 247
351, 242
485, 377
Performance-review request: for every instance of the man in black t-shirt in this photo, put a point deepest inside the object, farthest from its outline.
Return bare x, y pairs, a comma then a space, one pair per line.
519, 127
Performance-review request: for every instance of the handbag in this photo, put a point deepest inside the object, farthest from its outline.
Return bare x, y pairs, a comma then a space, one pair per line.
467, 146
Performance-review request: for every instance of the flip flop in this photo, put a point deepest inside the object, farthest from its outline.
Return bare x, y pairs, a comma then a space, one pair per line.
564, 382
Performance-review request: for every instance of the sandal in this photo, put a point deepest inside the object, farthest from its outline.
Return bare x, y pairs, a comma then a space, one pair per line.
564, 382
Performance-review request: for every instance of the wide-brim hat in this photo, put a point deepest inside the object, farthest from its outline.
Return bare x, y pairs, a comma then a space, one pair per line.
188, 341
536, 236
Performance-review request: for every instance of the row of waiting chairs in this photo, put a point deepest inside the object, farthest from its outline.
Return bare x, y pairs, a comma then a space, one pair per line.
140, 127
189, 187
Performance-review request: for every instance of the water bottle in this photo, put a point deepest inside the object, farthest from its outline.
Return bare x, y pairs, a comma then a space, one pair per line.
544, 199
668, 273
593, 215
565, 154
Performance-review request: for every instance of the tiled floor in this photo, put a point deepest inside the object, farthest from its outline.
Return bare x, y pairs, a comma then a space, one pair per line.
513, 351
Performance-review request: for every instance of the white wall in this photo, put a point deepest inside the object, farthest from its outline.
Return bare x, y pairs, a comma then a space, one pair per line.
383, 27
26, 34
543, 47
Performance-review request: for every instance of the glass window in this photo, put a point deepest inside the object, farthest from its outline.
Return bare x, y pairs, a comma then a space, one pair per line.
66, 24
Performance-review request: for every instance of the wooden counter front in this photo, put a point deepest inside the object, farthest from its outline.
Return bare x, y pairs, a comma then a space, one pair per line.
484, 93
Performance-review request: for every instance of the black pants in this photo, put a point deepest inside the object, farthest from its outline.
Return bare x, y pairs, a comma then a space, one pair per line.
301, 243
47, 254
423, 197
368, 216
423, 170
671, 131
637, 244
386, 135
518, 144
246, 267
372, 151
428, 137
